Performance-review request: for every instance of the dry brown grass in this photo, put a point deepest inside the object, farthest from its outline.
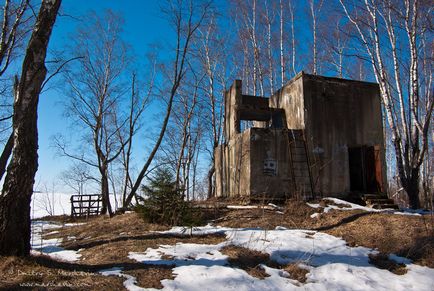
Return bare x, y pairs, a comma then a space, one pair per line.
105, 228
382, 261
251, 261
107, 244
296, 272
403, 235
151, 277
247, 259
117, 251
28, 274
295, 215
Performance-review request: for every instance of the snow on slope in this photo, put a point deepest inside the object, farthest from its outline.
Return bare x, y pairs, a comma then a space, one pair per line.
51, 247
345, 205
332, 264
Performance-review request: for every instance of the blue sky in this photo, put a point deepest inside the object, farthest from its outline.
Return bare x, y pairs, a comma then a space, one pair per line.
143, 27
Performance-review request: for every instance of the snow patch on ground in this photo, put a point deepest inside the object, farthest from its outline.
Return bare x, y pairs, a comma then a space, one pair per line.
332, 264
183, 254
270, 206
416, 212
351, 206
129, 284
204, 230
50, 247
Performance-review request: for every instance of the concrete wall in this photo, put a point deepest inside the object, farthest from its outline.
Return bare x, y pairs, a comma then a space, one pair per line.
290, 99
242, 166
270, 146
232, 161
233, 99
339, 114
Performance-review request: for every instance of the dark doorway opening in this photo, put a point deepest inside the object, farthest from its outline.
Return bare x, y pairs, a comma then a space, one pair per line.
365, 169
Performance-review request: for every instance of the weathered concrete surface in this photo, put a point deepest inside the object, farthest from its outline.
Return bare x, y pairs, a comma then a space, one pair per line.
340, 114
256, 164
291, 99
270, 168
233, 167
335, 115
233, 99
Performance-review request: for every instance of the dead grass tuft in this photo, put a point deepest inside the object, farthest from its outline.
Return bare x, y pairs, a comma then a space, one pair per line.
382, 261
247, 259
152, 276
251, 261
296, 272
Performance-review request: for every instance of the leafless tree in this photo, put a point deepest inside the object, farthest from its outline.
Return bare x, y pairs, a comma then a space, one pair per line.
186, 17
404, 23
97, 91
212, 58
138, 103
47, 199
18, 185
246, 16
184, 117
281, 43
291, 10
335, 40
315, 10
268, 18
184, 133
77, 176
14, 29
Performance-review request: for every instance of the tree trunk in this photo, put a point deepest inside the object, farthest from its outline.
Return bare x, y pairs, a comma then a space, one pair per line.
18, 185
7, 151
411, 186
210, 178
105, 192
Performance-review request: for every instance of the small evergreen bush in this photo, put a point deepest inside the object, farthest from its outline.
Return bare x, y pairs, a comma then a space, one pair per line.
163, 202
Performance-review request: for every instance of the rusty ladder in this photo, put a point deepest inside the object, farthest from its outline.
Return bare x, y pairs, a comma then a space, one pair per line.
300, 164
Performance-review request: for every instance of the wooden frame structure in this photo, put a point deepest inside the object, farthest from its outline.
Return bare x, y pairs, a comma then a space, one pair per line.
86, 205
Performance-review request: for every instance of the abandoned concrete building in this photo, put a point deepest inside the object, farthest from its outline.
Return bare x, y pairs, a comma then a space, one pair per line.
315, 136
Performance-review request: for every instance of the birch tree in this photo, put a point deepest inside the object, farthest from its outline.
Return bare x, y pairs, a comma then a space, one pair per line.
14, 28
399, 77
315, 10
212, 59
291, 10
18, 185
269, 16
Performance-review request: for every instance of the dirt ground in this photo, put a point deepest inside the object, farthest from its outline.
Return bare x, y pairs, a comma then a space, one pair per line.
107, 242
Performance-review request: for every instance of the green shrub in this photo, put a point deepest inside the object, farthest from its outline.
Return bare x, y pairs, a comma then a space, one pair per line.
163, 202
